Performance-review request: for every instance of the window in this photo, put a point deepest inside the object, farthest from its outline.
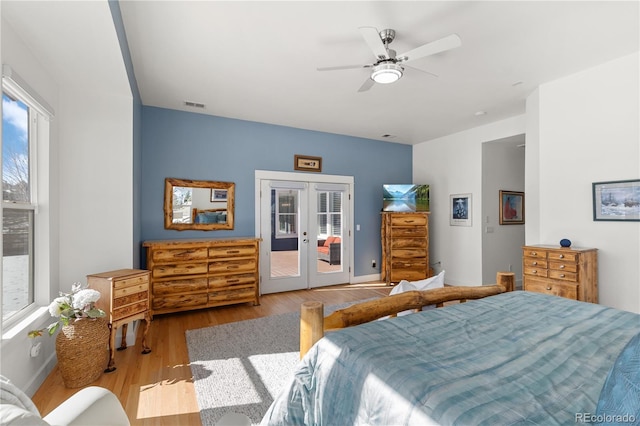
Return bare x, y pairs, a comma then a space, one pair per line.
329, 213
286, 213
24, 128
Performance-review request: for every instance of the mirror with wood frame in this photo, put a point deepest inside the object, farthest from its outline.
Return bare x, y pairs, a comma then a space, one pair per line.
198, 204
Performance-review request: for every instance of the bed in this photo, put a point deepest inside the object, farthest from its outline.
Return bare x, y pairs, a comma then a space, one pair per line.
504, 359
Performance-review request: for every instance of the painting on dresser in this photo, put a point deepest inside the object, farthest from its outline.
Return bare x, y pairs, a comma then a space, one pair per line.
511, 208
460, 210
405, 198
617, 200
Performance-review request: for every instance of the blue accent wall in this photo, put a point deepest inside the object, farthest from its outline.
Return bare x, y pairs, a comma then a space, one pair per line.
188, 145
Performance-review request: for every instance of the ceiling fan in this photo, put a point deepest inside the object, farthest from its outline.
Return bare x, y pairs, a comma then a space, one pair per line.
389, 66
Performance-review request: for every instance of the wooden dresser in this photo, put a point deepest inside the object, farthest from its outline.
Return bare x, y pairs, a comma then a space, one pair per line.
124, 296
202, 273
405, 246
565, 272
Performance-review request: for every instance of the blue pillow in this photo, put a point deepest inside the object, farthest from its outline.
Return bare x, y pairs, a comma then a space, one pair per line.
619, 402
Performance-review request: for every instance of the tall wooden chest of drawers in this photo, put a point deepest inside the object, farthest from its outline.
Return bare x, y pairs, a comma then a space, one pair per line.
198, 273
565, 272
405, 246
124, 296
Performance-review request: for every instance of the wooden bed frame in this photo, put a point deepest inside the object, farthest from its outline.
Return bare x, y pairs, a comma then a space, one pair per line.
313, 323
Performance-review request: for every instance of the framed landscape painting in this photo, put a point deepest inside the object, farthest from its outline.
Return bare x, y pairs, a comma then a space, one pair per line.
617, 200
511, 208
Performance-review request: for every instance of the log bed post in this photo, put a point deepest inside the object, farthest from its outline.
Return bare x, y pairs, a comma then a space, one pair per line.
313, 323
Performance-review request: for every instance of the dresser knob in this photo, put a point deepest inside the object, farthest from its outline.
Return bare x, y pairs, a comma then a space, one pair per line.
533, 253
561, 256
561, 275
548, 287
534, 272
535, 263
561, 266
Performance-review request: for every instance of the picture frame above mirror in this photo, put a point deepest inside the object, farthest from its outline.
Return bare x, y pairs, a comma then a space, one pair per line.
198, 204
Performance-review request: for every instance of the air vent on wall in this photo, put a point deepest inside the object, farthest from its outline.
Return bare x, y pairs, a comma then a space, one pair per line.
194, 104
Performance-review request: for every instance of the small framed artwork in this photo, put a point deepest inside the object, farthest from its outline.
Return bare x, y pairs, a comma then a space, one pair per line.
511, 208
460, 210
218, 195
307, 164
617, 200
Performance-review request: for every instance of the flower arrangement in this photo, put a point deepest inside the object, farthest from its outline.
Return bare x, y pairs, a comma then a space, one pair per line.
78, 304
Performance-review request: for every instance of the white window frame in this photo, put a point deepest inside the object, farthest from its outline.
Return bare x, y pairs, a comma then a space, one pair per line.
40, 115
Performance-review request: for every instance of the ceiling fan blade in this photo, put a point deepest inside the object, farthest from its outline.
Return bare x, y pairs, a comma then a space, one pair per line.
372, 37
343, 67
366, 85
418, 69
449, 42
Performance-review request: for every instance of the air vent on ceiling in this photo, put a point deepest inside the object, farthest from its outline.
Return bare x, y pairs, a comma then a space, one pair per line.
194, 104
388, 136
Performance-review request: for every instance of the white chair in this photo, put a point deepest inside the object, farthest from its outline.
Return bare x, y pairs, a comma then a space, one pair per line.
91, 406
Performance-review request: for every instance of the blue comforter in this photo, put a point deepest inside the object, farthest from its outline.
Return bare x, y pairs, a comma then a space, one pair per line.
515, 358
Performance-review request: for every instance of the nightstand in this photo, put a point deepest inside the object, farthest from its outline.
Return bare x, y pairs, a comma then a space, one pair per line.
124, 296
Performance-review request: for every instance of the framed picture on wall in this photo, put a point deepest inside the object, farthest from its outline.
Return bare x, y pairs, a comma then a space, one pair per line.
511, 208
460, 210
617, 200
218, 195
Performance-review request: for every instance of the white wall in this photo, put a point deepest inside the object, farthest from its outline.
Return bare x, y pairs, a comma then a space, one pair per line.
96, 175
452, 165
588, 131
90, 200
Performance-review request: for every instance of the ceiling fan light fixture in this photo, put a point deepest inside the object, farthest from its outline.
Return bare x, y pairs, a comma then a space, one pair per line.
386, 73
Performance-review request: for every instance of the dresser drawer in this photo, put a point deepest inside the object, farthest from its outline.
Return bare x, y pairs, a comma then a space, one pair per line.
408, 220
232, 280
534, 262
562, 275
409, 243
180, 301
125, 296
128, 310
160, 271
563, 266
248, 294
408, 274
570, 291
129, 282
179, 286
536, 272
536, 253
409, 231
563, 256
126, 291
237, 265
400, 254
232, 251
168, 255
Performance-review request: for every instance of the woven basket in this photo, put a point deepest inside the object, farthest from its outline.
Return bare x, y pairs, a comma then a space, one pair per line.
82, 348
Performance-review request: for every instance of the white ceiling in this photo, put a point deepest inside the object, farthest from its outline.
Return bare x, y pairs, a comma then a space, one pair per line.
257, 60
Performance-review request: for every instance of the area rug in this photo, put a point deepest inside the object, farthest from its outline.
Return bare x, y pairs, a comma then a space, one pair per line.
240, 367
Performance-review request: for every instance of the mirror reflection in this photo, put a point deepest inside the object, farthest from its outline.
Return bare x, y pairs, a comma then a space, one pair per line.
198, 204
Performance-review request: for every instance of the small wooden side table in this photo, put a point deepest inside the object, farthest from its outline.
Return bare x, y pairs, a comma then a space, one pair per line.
124, 296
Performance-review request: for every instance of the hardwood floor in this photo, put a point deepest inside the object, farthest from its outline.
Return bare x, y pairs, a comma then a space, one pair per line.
157, 389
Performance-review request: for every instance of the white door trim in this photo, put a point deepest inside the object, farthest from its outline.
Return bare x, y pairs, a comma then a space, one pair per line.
307, 177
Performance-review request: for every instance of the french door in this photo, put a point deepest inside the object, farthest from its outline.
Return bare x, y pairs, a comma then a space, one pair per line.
305, 234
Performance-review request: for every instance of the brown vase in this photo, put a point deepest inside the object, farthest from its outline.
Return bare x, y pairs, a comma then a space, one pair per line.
82, 350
